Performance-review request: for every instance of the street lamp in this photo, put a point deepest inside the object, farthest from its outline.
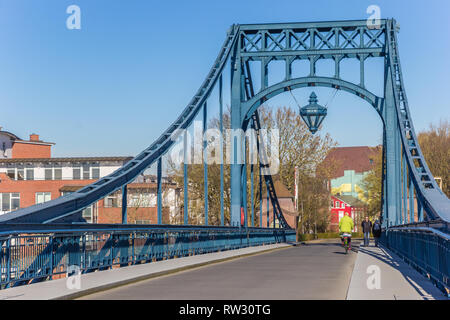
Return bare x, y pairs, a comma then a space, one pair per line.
313, 114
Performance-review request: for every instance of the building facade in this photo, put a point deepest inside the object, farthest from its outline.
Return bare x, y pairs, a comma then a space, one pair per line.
350, 166
339, 205
286, 202
29, 175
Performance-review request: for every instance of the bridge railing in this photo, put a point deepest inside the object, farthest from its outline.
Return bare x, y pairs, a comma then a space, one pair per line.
426, 249
29, 256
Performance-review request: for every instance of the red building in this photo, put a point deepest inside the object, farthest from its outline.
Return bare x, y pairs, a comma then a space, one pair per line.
286, 202
346, 204
29, 176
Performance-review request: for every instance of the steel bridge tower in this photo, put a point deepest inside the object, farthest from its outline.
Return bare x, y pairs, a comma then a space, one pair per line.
407, 180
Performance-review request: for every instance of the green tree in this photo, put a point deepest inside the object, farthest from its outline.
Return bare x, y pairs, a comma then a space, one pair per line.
372, 184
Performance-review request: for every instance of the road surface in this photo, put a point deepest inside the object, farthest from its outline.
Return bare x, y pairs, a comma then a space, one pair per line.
311, 271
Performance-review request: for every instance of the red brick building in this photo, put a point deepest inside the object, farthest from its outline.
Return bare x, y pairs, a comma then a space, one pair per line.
339, 205
29, 175
286, 201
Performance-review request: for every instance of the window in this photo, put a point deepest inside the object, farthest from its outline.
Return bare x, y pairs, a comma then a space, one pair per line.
141, 200
332, 203
87, 214
336, 204
42, 197
58, 174
86, 172
343, 205
30, 174
20, 174
142, 221
48, 174
10, 201
95, 173
112, 201
15, 201
76, 173
6, 201
11, 173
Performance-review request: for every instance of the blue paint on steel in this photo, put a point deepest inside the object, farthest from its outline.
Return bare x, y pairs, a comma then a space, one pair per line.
51, 253
124, 203
159, 193
426, 249
70, 204
185, 178
267, 202
264, 43
251, 42
260, 199
411, 198
252, 194
244, 182
405, 190
205, 163
222, 216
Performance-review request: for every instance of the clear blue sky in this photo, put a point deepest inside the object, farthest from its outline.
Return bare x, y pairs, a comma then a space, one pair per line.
112, 87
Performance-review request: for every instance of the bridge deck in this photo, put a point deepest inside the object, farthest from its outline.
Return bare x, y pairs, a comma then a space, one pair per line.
313, 271
397, 279
317, 270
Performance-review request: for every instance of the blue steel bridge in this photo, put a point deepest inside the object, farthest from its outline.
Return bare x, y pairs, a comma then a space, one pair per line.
42, 241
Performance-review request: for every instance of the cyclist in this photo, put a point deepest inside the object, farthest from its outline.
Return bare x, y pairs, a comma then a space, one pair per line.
346, 225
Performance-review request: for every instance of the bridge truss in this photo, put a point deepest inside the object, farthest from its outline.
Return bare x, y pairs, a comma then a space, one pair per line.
411, 197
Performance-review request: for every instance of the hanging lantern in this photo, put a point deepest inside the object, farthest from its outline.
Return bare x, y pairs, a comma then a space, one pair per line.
313, 114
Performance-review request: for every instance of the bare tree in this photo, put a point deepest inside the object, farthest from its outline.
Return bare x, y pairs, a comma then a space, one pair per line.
435, 145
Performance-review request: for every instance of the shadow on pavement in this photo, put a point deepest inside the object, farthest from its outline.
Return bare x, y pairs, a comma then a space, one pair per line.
336, 243
387, 258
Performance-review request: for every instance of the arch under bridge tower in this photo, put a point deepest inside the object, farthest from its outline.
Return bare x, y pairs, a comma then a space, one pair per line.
406, 175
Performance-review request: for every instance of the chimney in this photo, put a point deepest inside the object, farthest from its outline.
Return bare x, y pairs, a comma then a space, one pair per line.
34, 137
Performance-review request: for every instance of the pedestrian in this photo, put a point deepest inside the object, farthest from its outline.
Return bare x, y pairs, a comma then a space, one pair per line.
376, 231
366, 227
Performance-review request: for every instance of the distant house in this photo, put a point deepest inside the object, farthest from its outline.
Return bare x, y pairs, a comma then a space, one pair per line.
351, 165
339, 205
286, 201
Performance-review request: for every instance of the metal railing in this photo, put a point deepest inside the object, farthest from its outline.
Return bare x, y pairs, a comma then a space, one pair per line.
29, 256
426, 249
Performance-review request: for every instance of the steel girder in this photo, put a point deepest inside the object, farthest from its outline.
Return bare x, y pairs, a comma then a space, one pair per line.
334, 40
337, 41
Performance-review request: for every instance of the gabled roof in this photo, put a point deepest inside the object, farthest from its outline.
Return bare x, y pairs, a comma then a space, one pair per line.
352, 201
281, 190
351, 158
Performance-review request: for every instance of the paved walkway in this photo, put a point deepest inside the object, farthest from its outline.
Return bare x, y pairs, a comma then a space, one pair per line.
312, 270
103, 280
319, 270
380, 274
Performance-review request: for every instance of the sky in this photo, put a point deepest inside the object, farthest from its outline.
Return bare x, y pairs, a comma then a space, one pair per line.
112, 87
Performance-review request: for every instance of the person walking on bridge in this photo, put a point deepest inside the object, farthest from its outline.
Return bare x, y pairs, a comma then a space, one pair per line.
367, 227
376, 231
